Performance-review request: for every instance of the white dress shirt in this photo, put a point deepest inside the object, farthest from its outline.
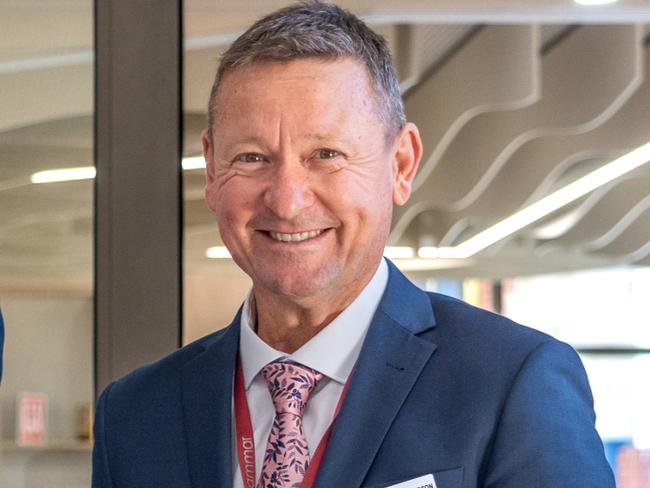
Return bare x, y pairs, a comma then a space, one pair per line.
333, 352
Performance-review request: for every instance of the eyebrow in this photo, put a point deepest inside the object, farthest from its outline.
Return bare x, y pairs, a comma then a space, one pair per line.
326, 137
316, 136
311, 136
248, 140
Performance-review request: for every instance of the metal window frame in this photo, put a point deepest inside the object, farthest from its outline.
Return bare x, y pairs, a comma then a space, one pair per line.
138, 188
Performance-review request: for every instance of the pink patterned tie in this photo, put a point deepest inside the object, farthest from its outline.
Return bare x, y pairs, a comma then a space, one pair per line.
286, 457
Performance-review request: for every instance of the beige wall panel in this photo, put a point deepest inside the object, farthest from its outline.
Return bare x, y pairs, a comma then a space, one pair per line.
200, 66
212, 297
47, 335
26, 96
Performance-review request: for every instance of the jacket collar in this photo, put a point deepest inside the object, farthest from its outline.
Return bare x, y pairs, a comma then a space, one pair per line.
406, 304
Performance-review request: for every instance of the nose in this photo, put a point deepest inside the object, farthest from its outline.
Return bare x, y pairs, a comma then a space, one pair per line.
289, 191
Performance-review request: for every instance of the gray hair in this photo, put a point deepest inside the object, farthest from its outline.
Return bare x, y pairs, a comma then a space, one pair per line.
322, 30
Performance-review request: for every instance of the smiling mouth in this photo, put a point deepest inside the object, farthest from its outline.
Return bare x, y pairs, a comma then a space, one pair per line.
295, 236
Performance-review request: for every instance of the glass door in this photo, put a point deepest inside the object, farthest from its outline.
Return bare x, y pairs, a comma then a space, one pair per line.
46, 244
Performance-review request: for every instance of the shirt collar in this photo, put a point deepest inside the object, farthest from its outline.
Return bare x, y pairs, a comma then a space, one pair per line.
333, 351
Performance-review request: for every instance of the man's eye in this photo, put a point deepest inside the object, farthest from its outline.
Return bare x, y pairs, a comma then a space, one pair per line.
250, 158
325, 154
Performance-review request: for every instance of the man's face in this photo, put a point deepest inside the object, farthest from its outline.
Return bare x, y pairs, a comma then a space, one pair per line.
301, 176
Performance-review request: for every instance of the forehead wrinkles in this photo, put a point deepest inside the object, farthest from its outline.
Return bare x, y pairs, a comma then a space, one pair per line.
318, 82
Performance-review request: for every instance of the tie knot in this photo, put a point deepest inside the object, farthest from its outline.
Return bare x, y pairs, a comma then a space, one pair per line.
290, 385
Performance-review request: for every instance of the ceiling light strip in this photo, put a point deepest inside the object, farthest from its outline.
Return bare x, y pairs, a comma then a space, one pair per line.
89, 172
217, 252
545, 206
194, 162
399, 252
65, 174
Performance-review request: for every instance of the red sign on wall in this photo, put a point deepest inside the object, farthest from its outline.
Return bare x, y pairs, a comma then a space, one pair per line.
31, 413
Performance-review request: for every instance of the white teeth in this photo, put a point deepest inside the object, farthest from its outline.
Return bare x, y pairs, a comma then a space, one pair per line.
295, 237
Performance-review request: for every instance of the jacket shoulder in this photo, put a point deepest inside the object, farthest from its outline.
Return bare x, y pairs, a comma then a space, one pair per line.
486, 345
158, 377
458, 319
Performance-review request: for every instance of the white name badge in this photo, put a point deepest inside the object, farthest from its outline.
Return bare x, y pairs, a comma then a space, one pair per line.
421, 482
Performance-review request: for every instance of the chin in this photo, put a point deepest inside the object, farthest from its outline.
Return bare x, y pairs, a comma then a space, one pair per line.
302, 283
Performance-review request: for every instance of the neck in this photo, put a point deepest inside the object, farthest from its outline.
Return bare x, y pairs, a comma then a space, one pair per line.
286, 323
297, 327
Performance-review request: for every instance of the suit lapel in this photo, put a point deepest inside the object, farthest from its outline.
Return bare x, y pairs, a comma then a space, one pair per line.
389, 364
207, 383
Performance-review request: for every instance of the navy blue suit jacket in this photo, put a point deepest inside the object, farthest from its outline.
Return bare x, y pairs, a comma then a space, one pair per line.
2, 339
439, 387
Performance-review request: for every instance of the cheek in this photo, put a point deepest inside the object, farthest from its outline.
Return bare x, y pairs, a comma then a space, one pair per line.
234, 204
231, 222
363, 210
369, 192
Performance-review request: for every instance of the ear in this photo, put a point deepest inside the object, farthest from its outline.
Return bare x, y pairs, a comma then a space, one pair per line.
210, 180
406, 160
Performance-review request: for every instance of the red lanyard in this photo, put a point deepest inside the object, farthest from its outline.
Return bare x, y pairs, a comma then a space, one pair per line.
246, 441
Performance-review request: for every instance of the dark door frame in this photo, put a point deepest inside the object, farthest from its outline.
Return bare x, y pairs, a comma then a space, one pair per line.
138, 192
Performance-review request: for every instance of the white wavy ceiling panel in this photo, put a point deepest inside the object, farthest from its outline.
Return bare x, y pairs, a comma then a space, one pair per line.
584, 80
538, 163
591, 105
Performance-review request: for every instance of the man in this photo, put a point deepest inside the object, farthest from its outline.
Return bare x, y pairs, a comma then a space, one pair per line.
337, 371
